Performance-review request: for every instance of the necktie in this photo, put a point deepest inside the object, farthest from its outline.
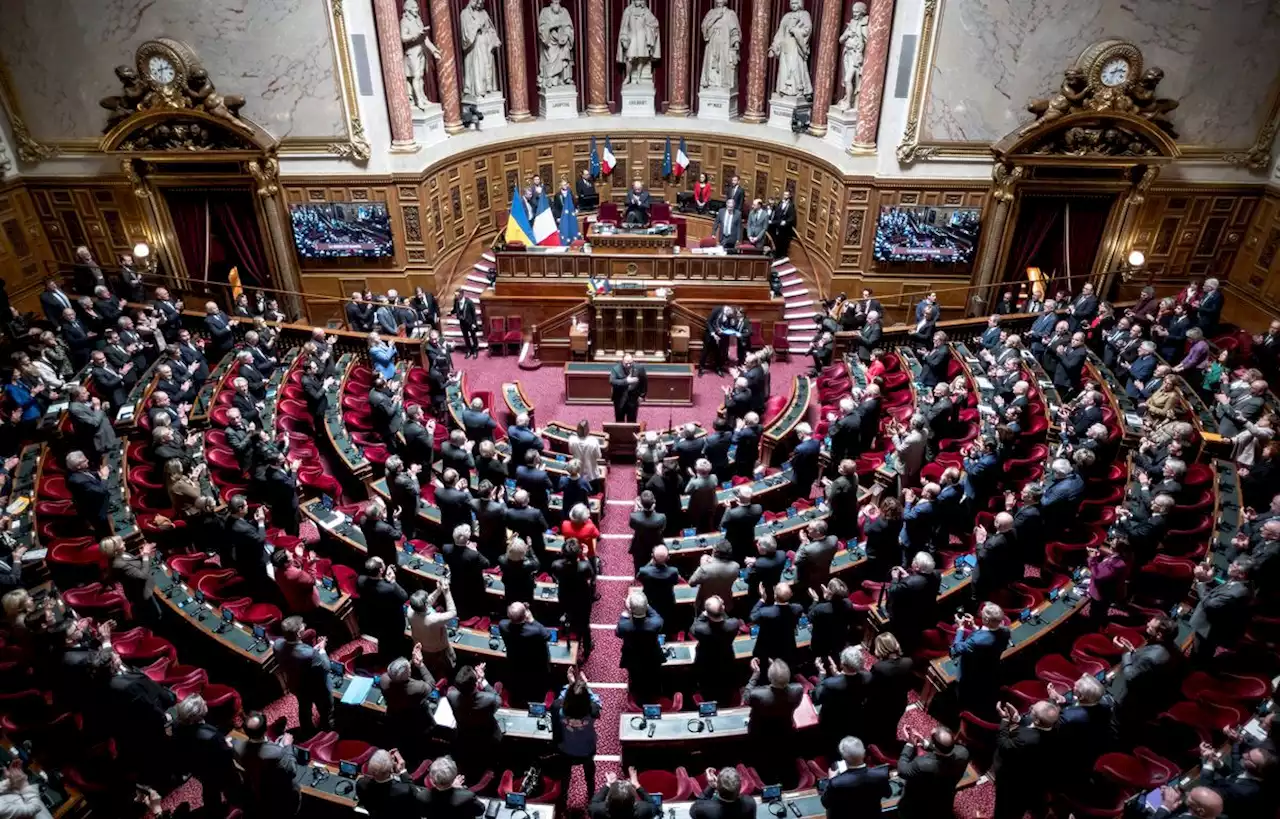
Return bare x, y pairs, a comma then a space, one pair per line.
63, 298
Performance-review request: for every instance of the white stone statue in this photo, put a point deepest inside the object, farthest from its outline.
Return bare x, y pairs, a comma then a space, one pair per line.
791, 46
854, 40
723, 37
415, 39
555, 46
479, 42
639, 43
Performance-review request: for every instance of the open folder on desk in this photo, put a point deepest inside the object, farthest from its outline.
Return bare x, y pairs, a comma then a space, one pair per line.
357, 690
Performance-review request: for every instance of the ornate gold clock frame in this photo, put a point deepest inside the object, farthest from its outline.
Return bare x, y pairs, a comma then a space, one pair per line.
1103, 131
170, 127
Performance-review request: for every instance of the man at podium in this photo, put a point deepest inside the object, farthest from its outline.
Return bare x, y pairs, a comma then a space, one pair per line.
637, 205
630, 383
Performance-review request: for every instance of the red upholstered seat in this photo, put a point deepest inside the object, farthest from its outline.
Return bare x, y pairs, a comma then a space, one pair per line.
547, 790
222, 459
514, 336
54, 487
218, 415
666, 783
54, 508
781, 349
1056, 669
497, 334
96, 601
773, 408
353, 421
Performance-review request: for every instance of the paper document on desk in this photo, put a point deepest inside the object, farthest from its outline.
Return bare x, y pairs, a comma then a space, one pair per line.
335, 520
1133, 419
357, 690
983, 383
444, 714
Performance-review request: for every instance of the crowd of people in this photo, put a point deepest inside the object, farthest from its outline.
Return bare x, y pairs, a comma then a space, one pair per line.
496, 506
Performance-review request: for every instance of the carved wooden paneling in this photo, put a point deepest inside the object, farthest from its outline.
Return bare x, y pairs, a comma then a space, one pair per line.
1193, 233
25, 254
105, 217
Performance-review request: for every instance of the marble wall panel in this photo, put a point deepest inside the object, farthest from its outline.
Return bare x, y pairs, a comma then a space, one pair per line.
278, 55
994, 56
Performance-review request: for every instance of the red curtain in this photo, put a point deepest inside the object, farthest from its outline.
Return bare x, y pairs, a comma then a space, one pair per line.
1086, 226
235, 222
217, 229
189, 212
1038, 217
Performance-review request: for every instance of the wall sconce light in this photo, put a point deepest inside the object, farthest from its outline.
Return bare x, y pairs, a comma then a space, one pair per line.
1137, 259
142, 256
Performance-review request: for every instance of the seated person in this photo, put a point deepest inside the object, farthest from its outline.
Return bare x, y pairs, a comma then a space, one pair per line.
637, 204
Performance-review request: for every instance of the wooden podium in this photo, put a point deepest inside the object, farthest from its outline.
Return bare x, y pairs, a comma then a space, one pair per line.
634, 322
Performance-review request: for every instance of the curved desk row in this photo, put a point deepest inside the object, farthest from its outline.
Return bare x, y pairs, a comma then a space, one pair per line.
278, 376
127, 415
25, 483
1121, 404
1228, 512
557, 434
517, 402
352, 456
797, 410
121, 515
212, 386
513, 722
56, 412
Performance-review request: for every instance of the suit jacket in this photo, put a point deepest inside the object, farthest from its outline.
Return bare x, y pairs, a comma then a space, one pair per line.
624, 394
90, 494
689, 450
935, 366
450, 803
710, 806
479, 425
641, 653
92, 425
381, 607
777, 622
304, 667
913, 602
857, 792
1222, 613
419, 447
53, 303
731, 233
526, 645
714, 579
269, 771
739, 525
813, 561
783, 220
659, 583
739, 197
929, 781
522, 439
248, 408
649, 529
714, 658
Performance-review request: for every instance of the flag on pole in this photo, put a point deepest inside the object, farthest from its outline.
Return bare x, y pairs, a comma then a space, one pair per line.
544, 224
594, 168
682, 160
607, 161
518, 227
568, 219
666, 160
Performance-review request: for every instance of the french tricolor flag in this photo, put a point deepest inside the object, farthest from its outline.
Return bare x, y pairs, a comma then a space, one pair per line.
545, 231
608, 161
682, 161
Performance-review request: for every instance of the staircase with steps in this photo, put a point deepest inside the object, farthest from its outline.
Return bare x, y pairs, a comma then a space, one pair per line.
798, 303
798, 307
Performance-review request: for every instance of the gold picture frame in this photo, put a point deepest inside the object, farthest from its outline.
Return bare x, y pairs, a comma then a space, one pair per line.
915, 148
355, 146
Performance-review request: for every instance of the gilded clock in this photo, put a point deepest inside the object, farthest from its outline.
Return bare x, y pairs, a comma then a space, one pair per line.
1111, 64
165, 65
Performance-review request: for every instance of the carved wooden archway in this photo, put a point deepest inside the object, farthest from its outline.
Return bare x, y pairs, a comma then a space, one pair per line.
1114, 135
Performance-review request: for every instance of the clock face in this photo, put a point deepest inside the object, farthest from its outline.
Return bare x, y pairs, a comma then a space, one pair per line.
160, 70
1115, 72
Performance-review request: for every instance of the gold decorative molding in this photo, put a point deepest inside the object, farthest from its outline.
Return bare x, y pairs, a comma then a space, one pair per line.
266, 173
915, 147
32, 149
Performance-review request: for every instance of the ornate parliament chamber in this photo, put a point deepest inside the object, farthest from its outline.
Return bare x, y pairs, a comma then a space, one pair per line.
646, 408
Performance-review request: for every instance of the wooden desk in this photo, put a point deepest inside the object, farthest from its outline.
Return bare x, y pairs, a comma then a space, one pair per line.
206, 618
1118, 400
629, 321
683, 267
517, 402
212, 386
797, 410
588, 383
336, 428
633, 242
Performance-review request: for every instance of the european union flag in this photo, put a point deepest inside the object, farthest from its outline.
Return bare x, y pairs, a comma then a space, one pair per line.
666, 160
594, 169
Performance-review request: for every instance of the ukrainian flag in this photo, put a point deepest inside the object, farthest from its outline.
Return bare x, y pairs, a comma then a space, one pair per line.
518, 227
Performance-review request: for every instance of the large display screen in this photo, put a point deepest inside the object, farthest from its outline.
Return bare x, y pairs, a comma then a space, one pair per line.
335, 230
943, 235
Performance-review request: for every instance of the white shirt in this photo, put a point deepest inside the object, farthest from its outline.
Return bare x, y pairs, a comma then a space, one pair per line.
587, 451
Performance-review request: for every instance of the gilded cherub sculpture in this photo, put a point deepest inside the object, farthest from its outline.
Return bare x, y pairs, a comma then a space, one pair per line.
205, 97
125, 104
1074, 89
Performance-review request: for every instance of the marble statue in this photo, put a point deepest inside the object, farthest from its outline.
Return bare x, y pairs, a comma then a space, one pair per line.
639, 43
415, 39
723, 37
854, 40
555, 46
791, 47
479, 42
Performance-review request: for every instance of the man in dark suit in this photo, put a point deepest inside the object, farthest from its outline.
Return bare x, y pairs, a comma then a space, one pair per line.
407, 687
854, 789
585, 191
735, 194
804, 460
783, 224
1085, 307
380, 607
386, 413
1234, 412
246, 543
532, 478
841, 694
764, 570
728, 229
54, 302
529, 522
738, 400
715, 344
466, 574
713, 662
445, 795
419, 438
526, 643
464, 310
384, 317
649, 526
522, 438
219, 328
306, 674
1061, 501
455, 454
78, 338
269, 769
689, 448
1222, 615
385, 791
453, 499
1071, 358
639, 628
869, 335
936, 363
746, 439
1025, 765
359, 314
629, 384
912, 600
770, 729
243, 401
723, 797
978, 652
1208, 314
930, 778
110, 382
658, 579
739, 522
776, 622
90, 493
1248, 788
637, 205
1086, 414
477, 423
820, 350
999, 561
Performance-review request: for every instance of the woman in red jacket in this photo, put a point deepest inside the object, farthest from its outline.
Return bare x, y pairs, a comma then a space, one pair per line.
702, 193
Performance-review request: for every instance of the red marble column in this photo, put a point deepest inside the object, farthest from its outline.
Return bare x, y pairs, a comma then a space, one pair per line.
871, 85
393, 81
824, 71
446, 66
757, 52
517, 77
597, 59
681, 12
